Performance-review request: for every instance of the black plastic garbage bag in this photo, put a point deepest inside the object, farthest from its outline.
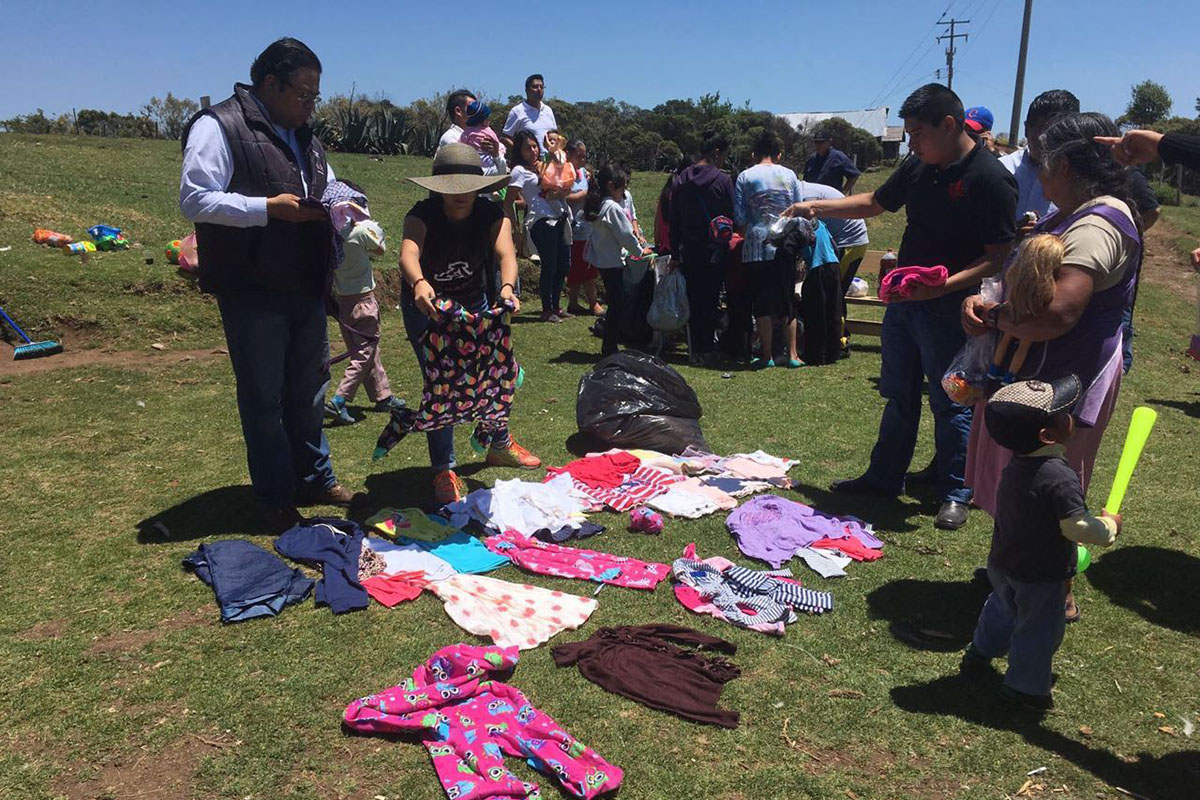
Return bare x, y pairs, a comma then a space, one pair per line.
633, 400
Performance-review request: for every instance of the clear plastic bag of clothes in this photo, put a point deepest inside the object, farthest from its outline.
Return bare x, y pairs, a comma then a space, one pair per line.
966, 382
669, 311
633, 400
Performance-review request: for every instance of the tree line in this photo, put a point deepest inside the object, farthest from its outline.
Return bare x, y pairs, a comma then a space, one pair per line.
642, 139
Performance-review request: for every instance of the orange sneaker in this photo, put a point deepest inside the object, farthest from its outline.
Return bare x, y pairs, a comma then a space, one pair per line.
448, 487
514, 456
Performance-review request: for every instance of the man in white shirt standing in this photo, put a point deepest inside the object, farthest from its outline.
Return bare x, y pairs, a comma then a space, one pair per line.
531, 114
456, 111
253, 177
1024, 163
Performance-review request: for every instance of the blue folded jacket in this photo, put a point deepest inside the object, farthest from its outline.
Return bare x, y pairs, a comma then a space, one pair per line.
248, 581
336, 545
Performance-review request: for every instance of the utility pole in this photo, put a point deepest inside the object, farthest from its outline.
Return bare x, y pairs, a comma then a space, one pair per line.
950, 50
1020, 87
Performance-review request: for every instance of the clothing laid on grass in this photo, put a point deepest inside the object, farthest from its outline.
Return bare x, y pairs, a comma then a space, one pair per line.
469, 721
635, 489
512, 614
692, 499
523, 506
746, 597
462, 551
412, 523
568, 532
664, 667
336, 545
470, 374
248, 581
772, 529
901, 282
573, 562
605, 471
393, 589
411, 557
370, 563
823, 562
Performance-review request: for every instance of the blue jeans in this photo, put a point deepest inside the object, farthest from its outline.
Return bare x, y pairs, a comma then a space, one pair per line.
556, 261
279, 344
919, 341
1127, 340
1026, 621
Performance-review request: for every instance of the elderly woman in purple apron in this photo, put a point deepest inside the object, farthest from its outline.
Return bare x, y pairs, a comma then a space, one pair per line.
1080, 332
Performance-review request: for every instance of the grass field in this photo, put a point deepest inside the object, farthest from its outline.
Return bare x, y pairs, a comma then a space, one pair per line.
121, 683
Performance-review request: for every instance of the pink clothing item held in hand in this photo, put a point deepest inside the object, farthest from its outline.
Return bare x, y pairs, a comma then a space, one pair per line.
900, 282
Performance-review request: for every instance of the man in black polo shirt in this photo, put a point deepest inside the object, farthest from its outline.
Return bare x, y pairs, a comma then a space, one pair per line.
961, 205
830, 166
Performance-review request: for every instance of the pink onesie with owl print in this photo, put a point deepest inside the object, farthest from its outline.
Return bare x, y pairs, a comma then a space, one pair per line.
473, 721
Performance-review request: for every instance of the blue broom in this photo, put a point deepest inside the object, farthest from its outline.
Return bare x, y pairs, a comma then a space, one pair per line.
30, 349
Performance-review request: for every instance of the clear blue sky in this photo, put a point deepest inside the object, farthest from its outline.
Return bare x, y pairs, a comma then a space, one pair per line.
780, 56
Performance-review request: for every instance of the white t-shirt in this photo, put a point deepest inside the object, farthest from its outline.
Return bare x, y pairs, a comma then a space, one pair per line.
527, 182
630, 208
451, 136
845, 232
525, 117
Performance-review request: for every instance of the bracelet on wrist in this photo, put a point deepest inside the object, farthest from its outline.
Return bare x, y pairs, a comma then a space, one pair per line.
510, 286
417, 282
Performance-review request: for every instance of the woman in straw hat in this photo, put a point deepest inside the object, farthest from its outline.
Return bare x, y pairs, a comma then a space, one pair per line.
451, 241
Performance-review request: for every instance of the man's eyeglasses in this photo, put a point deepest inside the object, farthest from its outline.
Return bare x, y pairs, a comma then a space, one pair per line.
305, 97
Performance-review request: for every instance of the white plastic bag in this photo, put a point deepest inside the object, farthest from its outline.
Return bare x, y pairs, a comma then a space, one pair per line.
966, 381
669, 311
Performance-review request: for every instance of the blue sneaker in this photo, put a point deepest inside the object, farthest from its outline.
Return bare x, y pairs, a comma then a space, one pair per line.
337, 413
520, 377
392, 403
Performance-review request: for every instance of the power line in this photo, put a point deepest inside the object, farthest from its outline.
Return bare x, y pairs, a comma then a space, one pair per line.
887, 86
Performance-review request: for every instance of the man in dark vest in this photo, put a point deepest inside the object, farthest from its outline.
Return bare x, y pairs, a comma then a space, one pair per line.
253, 176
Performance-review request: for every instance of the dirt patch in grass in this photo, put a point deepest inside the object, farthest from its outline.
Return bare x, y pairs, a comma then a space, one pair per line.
74, 356
166, 773
1163, 265
48, 629
135, 640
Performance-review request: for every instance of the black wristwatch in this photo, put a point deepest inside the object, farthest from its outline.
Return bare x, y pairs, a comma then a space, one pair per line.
993, 314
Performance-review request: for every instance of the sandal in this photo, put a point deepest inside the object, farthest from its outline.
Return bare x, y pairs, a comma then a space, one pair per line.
1071, 610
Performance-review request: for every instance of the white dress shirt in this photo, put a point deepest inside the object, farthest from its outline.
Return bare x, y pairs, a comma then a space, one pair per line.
208, 169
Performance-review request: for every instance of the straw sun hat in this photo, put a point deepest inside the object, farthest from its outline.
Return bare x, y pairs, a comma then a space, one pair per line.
457, 170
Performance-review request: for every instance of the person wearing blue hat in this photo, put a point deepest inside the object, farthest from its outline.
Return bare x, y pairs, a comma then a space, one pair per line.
978, 121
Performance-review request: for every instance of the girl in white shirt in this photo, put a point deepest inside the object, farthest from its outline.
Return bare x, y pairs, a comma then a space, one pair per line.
612, 237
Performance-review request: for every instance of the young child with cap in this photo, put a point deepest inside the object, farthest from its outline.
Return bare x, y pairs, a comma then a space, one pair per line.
1040, 518
477, 130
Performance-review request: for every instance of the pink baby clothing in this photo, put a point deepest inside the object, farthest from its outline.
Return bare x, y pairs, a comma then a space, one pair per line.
572, 562
476, 135
900, 282
471, 721
512, 614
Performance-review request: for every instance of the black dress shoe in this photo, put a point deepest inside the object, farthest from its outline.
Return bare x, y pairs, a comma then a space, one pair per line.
274, 520
860, 485
951, 516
